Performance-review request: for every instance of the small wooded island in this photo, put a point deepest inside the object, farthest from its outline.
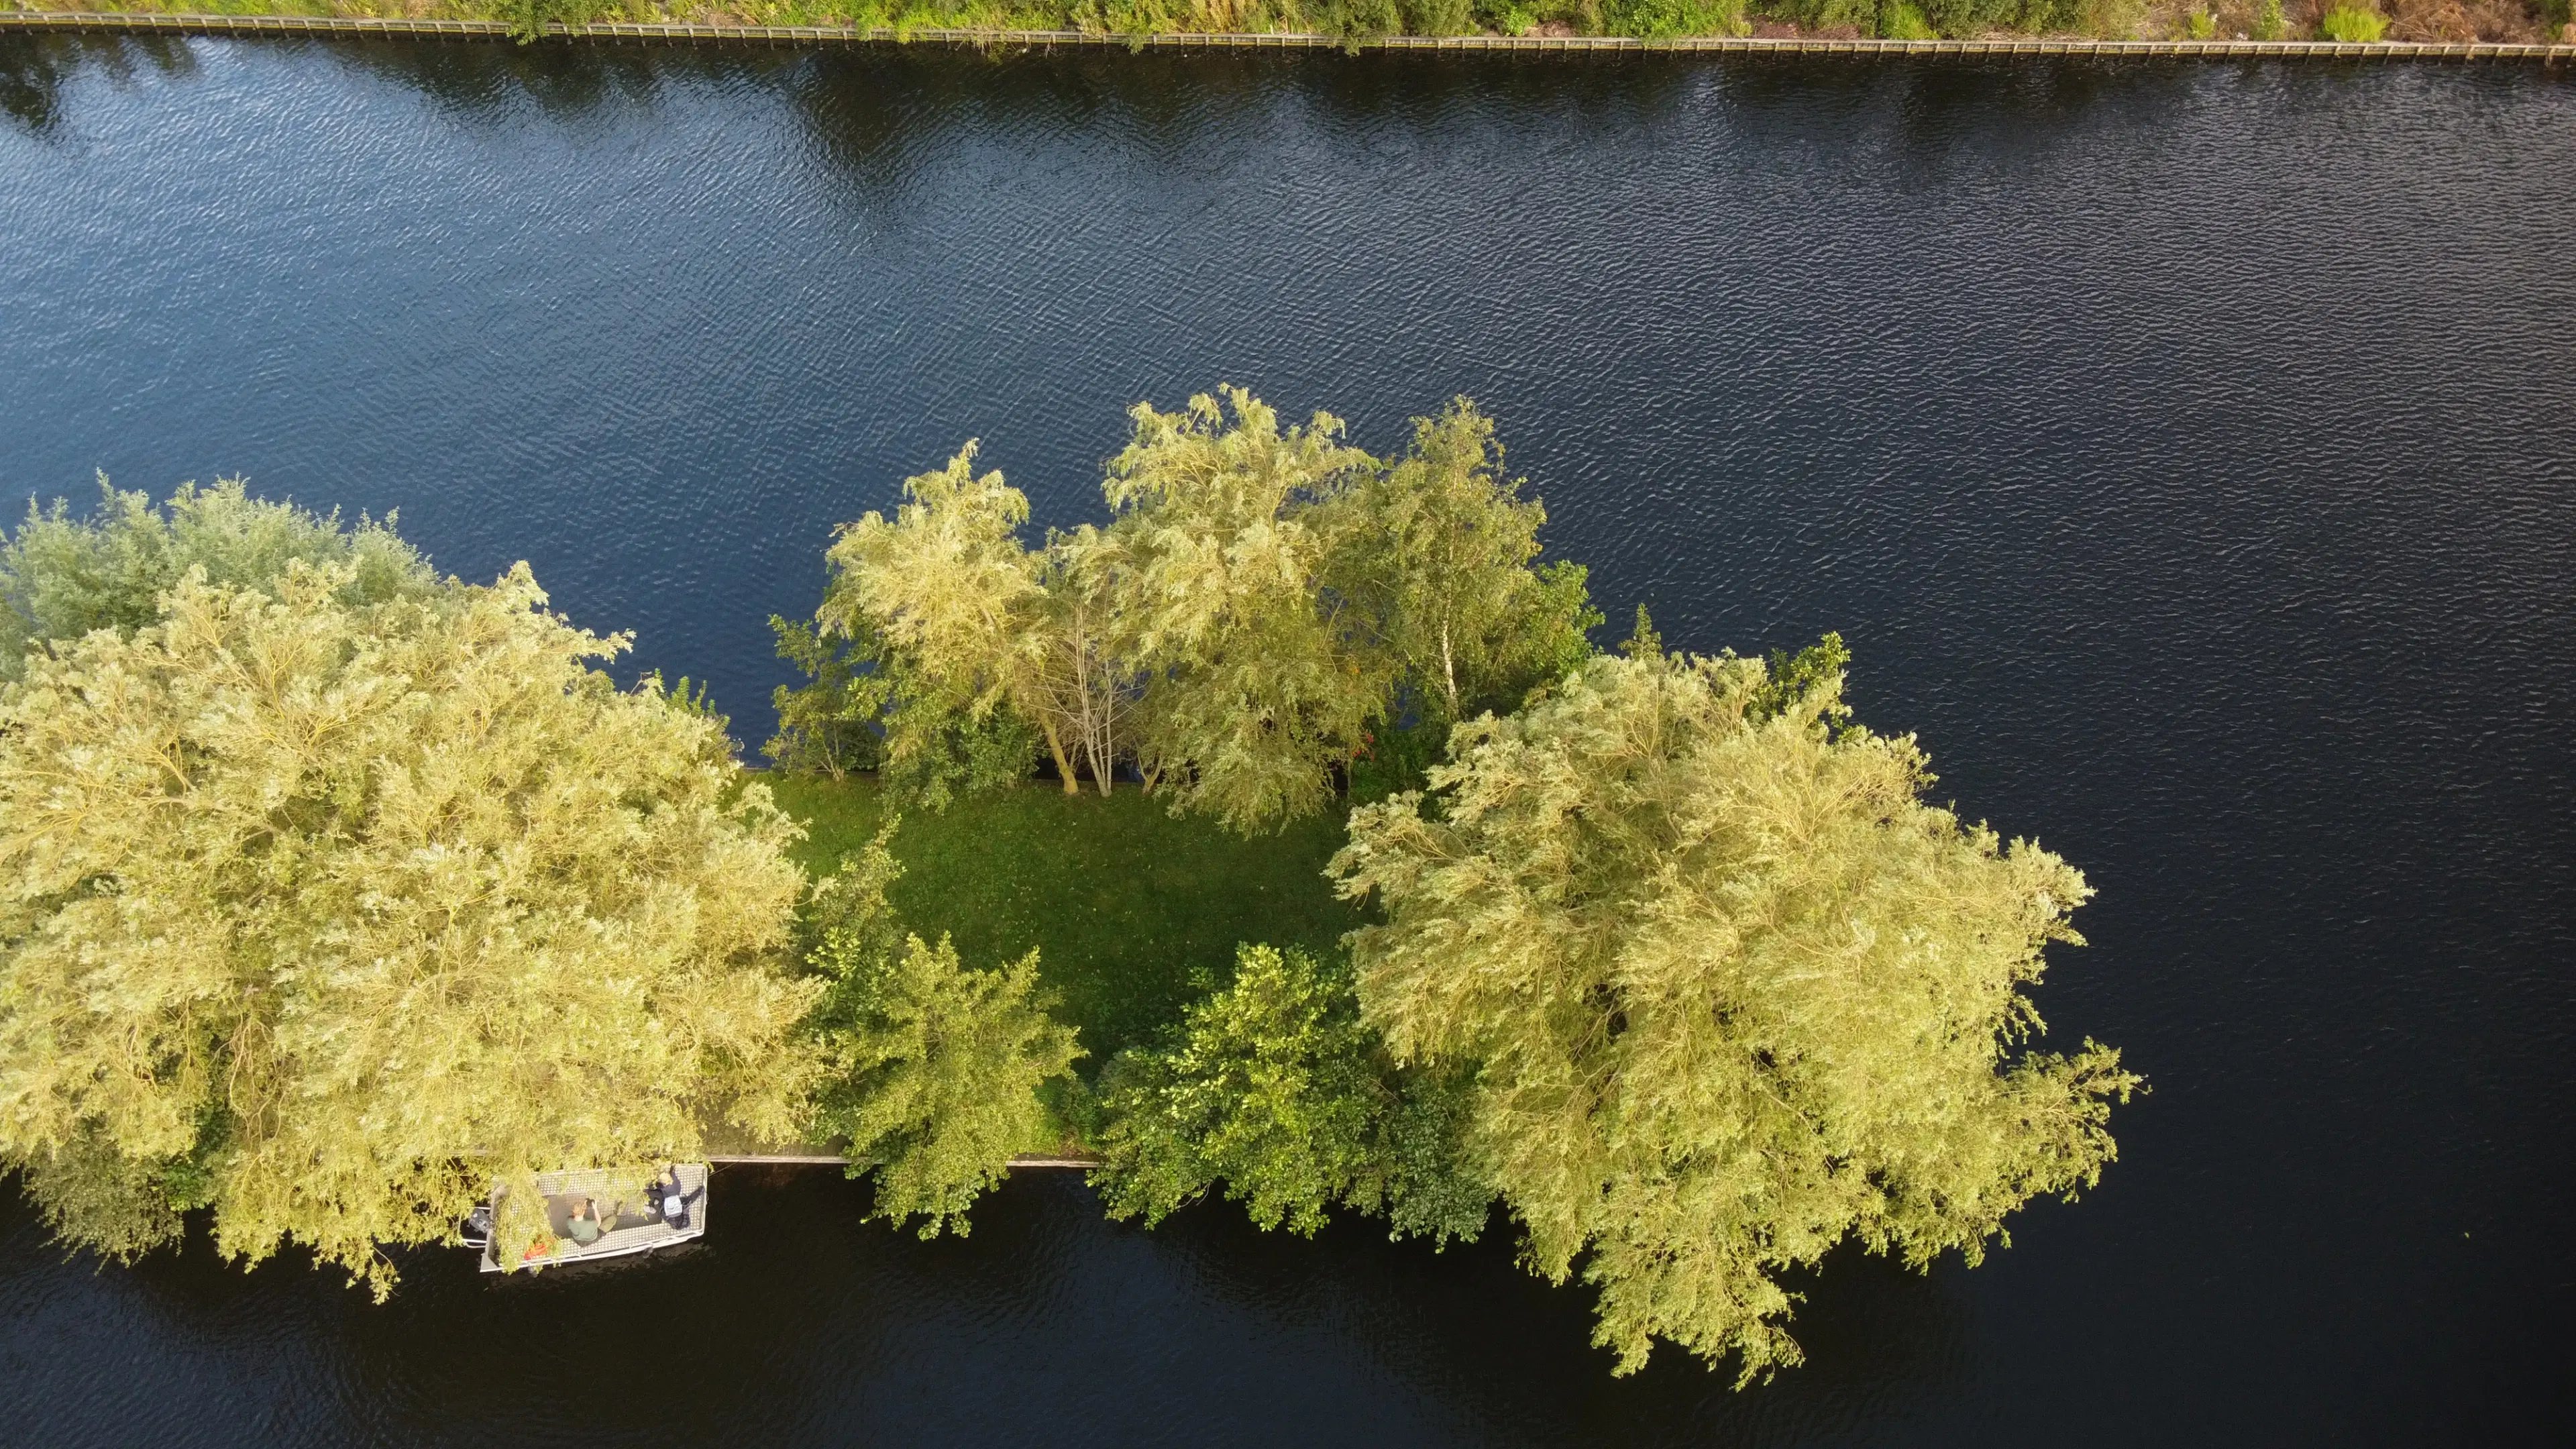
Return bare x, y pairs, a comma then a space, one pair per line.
1284, 834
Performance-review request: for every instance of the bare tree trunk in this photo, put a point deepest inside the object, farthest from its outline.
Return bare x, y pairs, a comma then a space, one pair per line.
1095, 724
1055, 747
1448, 669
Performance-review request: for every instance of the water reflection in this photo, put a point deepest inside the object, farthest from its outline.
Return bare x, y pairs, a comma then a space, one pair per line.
870, 109
34, 69
485, 80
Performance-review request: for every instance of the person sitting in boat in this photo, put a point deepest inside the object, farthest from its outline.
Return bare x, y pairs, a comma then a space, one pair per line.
582, 1223
674, 1198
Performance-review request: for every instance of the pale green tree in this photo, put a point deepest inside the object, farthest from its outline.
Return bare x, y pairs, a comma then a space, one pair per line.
936, 1068
62, 576
1439, 551
1272, 1087
326, 915
1256, 687
977, 623
1731, 991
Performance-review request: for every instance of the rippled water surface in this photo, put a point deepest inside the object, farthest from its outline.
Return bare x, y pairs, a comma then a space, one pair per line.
2188, 452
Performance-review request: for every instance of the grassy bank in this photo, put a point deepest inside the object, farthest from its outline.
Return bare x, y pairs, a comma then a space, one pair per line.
2520, 21
1123, 902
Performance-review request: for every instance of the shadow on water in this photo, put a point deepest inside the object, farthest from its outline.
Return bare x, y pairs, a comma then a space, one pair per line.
490, 81
1514, 1355
874, 113
798, 1320
34, 69
870, 109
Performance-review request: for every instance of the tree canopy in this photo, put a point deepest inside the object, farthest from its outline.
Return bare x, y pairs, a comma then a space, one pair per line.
934, 1069
1262, 598
1271, 1086
62, 575
333, 892
326, 913
1729, 989
1440, 554
975, 632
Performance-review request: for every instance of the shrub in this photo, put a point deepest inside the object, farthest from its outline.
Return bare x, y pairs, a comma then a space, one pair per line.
1664, 19
1352, 21
2352, 26
2268, 24
1438, 17
2200, 25
1968, 17
62, 576
1901, 21
1825, 14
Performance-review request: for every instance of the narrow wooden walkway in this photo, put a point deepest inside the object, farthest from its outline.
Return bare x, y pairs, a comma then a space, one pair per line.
115, 22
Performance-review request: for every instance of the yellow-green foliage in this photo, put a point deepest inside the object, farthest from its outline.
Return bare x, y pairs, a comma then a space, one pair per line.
1220, 547
2353, 25
1272, 1086
934, 1068
1732, 990
1259, 598
978, 630
1266, 1084
327, 915
1438, 551
1901, 21
62, 576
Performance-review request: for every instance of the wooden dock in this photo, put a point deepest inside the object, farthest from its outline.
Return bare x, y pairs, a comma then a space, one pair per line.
145, 23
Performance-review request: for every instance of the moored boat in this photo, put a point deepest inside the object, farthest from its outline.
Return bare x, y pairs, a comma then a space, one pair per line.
590, 1214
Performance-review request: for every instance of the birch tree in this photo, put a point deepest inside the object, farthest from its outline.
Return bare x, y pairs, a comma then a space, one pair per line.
1439, 550
980, 622
324, 915
1732, 992
1256, 688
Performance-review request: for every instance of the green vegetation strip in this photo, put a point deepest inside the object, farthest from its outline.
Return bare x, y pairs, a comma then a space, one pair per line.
87, 20
1124, 902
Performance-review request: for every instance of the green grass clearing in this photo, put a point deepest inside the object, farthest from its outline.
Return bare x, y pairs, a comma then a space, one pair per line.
1124, 903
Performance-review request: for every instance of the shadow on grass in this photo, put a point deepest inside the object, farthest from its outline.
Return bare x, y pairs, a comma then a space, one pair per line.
1133, 913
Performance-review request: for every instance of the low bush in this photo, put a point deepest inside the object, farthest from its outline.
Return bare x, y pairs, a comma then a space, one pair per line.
2352, 26
1975, 17
1664, 19
1901, 21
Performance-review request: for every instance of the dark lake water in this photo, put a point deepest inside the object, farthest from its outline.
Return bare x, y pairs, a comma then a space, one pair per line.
2187, 451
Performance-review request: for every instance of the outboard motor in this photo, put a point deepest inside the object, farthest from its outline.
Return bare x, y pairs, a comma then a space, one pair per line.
478, 1226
